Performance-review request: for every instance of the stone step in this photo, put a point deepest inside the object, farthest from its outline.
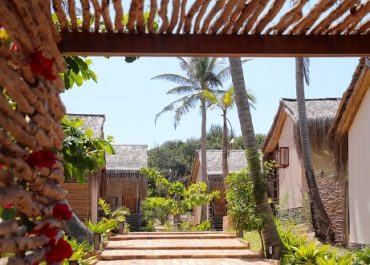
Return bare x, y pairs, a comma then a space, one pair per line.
223, 261
200, 243
138, 236
125, 254
180, 233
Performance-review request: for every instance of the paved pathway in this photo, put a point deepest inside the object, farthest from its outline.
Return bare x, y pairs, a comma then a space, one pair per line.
178, 249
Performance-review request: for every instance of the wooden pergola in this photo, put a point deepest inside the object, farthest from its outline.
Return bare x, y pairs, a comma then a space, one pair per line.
215, 28
32, 46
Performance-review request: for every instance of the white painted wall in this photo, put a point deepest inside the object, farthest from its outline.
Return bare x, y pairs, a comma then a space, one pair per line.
290, 178
359, 174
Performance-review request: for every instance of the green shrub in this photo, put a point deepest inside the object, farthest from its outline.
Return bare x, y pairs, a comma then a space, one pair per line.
110, 221
81, 253
177, 198
157, 208
333, 259
185, 226
168, 226
241, 205
150, 226
204, 226
362, 257
305, 254
289, 236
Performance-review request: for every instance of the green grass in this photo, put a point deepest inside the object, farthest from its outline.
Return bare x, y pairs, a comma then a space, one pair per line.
254, 239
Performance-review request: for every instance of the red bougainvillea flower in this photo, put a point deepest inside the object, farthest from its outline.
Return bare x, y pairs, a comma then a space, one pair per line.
61, 211
8, 206
41, 158
59, 251
46, 230
14, 47
41, 65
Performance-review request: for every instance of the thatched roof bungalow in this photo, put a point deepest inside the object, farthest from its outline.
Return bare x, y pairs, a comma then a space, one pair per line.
83, 198
287, 186
236, 161
124, 184
351, 131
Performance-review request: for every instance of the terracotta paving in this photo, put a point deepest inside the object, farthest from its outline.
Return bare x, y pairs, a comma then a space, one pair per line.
223, 261
137, 236
178, 249
198, 243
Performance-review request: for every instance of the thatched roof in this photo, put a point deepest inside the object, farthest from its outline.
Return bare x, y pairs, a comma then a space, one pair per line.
127, 158
92, 121
236, 161
348, 107
320, 116
352, 98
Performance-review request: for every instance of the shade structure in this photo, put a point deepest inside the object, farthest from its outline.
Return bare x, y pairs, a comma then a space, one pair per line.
214, 28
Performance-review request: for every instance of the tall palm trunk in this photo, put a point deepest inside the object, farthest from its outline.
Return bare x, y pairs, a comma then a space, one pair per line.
269, 231
320, 219
78, 229
203, 150
225, 145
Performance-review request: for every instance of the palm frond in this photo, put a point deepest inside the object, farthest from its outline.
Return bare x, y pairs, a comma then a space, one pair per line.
208, 96
212, 80
306, 70
178, 79
183, 63
228, 98
105, 207
189, 103
181, 90
171, 107
225, 73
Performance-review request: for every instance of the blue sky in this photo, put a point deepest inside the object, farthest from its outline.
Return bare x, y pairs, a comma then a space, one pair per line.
130, 100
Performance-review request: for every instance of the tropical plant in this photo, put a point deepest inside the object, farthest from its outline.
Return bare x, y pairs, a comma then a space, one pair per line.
203, 226
289, 236
269, 232
225, 102
362, 257
241, 205
157, 208
110, 221
181, 199
306, 254
78, 71
82, 252
320, 219
203, 76
82, 152
334, 259
173, 158
119, 214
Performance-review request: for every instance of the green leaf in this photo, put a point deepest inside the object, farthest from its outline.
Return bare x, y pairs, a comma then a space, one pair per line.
72, 65
131, 59
8, 213
81, 63
89, 133
77, 78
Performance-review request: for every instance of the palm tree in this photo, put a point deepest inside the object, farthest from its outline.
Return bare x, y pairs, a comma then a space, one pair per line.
320, 219
203, 75
269, 231
225, 102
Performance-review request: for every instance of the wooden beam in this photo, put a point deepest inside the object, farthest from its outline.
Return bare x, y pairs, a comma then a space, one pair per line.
123, 44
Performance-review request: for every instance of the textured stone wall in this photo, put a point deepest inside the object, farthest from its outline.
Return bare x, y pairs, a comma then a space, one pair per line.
333, 195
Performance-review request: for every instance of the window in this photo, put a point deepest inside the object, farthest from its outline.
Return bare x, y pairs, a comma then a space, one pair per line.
281, 156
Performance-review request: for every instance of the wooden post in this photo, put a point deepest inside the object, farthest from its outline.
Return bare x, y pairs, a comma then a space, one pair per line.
97, 241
